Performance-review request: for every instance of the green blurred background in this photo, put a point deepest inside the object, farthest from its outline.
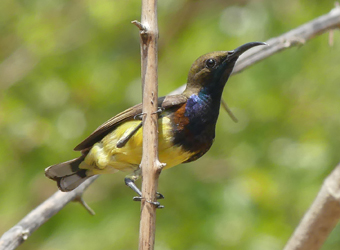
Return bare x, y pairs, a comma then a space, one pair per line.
67, 66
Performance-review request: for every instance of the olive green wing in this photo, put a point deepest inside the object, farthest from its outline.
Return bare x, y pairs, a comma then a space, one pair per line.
164, 103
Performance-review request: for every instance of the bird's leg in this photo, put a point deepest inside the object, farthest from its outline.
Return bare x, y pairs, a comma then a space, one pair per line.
127, 135
130, 182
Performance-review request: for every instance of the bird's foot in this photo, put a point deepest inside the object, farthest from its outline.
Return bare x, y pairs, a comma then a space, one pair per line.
156, 203
130, 183
140, 116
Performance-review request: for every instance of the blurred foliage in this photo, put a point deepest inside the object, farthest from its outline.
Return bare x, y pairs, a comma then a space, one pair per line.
67, 66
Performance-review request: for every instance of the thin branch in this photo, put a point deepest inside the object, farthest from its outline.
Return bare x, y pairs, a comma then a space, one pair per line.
31, 222
150, 165
321, 217
230, 113
318, 26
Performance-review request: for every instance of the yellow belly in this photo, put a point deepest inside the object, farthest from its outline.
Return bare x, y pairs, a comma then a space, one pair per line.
105, 157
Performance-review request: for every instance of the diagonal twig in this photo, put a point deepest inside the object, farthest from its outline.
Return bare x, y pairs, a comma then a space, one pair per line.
31, 222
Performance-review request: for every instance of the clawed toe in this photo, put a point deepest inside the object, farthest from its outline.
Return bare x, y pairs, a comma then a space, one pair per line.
156, 203
159, 196
137, 198
130, 183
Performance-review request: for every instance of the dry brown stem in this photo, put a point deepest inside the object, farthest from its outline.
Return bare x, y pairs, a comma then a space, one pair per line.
150, 164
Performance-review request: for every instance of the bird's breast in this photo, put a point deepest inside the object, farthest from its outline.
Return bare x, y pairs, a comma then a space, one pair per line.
194, 126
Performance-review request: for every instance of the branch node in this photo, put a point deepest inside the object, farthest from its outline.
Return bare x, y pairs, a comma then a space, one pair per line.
142, 28
160, 165
293, 41
84, 204
25, 233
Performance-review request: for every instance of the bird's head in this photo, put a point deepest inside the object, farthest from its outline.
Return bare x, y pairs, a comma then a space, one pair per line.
212, 70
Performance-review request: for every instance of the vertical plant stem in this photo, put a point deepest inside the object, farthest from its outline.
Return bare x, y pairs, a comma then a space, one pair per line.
150, 164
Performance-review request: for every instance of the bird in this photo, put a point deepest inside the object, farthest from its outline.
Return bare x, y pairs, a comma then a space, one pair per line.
186, 126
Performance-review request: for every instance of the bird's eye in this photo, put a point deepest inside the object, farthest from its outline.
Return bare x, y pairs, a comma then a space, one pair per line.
210, 63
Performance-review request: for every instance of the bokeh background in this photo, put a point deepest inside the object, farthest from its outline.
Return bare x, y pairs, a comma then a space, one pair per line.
67, 66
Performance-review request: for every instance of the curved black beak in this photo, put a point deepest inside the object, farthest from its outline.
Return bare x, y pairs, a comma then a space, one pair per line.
243, 48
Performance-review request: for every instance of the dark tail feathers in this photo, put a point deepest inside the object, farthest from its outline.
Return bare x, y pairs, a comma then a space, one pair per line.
67, 174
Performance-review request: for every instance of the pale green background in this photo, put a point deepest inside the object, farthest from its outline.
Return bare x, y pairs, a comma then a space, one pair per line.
67, 66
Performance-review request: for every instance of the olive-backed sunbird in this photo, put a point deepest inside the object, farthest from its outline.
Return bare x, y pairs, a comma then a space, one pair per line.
186, 126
